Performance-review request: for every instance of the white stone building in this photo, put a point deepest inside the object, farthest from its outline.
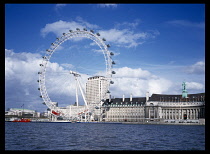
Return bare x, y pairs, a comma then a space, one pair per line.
96, 90
158, 107
20, 112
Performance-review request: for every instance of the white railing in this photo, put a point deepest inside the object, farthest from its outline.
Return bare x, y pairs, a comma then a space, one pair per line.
180, 103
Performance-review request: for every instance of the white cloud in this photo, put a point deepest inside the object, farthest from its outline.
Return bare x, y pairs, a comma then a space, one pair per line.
66, 65
126, 38
59, 6
138, 82
21, 86
85, 23
197, 68
119, 37
132, 73
60, 27
186, 23
127, 25
16, 64
159, 85
21, 82
20, 79
195, 86
107, 5
21, 74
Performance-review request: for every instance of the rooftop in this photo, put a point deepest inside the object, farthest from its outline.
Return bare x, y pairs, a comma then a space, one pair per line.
135, 100
176, 98
199, 97
95, 77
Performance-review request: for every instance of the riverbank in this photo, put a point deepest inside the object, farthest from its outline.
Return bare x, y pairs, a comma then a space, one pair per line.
162, 122
172, 122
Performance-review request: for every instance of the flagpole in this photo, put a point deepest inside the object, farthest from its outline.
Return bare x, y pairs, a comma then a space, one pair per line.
23, 109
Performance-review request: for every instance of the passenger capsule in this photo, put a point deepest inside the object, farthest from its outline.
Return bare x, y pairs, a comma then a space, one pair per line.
84, 29
111, 82
103, 39
38, 80
98, 34
78, 29
39, 72
70, 31
38, 88
44, 103
113, 62
40, 96
64, 33
91, 31
111, 53
52, 44
41, 65
108, 45
113, 72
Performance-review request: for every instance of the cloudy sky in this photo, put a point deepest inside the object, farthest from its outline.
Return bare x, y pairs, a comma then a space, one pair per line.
156, 46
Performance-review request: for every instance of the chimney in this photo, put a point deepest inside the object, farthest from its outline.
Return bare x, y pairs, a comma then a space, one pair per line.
147, 96
123, 99
131, 98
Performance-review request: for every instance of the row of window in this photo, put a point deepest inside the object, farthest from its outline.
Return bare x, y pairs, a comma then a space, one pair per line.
120, 105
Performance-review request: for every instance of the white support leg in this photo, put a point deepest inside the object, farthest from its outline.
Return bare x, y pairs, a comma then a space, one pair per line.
83, 96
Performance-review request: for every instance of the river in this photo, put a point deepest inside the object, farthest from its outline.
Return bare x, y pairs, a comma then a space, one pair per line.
96, 136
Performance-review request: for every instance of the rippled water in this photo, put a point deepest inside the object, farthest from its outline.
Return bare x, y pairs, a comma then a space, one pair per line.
86, 136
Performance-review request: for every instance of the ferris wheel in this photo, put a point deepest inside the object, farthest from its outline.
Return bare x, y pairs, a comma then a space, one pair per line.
100, 42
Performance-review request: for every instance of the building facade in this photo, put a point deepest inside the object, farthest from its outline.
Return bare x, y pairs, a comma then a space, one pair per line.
19, 112
96, 89
176, 107
124, 110
158, 107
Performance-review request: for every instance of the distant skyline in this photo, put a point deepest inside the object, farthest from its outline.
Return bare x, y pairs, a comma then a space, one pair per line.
156, 46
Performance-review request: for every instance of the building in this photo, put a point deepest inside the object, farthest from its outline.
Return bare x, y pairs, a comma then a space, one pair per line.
19, 112
124, 109
165, 108
175, 107
96, 89
159, 107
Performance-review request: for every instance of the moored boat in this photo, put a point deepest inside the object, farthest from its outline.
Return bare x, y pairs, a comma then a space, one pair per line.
22, 120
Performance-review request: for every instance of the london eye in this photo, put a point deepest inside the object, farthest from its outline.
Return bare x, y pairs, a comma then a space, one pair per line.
76, 74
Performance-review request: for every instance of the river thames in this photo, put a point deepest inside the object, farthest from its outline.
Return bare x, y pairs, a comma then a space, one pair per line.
90, 136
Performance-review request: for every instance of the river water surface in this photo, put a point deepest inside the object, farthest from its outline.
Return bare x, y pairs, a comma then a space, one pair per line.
90, 136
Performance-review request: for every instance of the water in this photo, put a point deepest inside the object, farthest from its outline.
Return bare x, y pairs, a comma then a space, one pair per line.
86, 136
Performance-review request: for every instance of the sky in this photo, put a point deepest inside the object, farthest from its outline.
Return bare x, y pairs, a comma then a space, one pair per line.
156, 46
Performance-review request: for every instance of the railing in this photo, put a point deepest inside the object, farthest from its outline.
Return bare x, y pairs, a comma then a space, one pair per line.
122, 105
180, 103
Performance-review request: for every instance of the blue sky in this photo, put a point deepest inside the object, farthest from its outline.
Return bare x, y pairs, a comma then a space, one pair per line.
159, 45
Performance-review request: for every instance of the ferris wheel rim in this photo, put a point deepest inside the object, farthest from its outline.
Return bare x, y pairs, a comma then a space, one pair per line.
67, 36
